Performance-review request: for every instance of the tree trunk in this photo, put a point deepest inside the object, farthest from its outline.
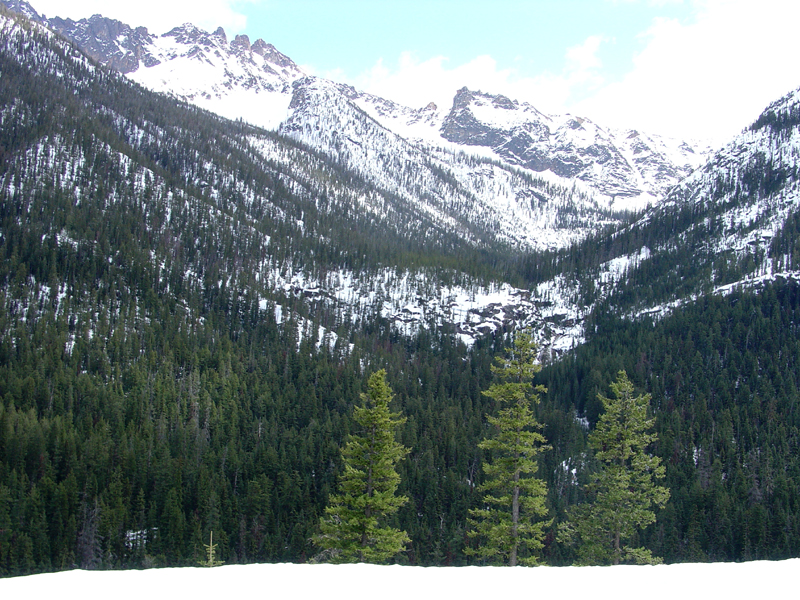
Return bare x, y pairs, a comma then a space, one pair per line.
369, 491
512, 560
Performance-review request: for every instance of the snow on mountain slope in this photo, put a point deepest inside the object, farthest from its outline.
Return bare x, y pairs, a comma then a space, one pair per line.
753, 181
627, 169
731, 224
476, 197
414, 124
600, 171
220, 204
623, 170
237, 80
489, 169
410, 300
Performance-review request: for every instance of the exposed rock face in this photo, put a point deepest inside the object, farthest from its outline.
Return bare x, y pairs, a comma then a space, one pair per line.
109, 41
194, 63
128, 50
617, 164
241, 42
23, 8
273, 56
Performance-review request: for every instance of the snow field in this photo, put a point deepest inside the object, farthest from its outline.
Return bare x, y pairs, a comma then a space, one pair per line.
731, 581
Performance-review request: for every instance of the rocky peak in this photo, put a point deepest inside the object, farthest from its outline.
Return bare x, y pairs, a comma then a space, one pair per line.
504, 103
463, 126
108, 41
462, 99
639, 167
576, 123
259, 47
189, 34
241, 42
273, 56
568, 146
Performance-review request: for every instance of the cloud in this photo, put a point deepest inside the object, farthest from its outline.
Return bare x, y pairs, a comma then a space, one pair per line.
158, 16
583, 58
707, 78
415, 82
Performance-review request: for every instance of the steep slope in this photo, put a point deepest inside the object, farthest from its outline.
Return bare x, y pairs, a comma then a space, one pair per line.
307, 233
732, 224
623, 169
699, 301
471, 195
236, 79
153, 287
548, 181
624, 166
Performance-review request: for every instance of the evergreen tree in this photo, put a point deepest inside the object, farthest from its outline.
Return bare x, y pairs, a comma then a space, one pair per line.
353, 528
624, 489
211, 550
514, 500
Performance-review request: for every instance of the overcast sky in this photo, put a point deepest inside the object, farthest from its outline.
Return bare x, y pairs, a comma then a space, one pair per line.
684, 68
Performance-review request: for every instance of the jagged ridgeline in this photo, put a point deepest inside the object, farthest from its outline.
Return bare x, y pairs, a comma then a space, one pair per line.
62, 109
552, 179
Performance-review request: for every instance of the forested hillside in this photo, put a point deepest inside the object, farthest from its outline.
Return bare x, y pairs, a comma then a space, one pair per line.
161, 376
134, 275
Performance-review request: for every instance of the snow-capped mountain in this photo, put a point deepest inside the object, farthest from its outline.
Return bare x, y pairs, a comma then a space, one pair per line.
486, 171
476, 197
236, 79
622, 169
627, 166
539, 181
306, 236
196, 290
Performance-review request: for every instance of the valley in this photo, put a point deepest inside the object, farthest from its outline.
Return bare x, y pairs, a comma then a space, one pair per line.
207, 252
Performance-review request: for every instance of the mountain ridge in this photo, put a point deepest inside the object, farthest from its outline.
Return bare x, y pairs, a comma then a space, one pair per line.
257, 83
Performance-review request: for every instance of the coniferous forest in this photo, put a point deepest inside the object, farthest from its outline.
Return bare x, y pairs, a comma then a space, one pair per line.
155, 387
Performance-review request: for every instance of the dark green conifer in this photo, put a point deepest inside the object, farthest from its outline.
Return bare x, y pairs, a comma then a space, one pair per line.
624, 490
354, 527
510, 526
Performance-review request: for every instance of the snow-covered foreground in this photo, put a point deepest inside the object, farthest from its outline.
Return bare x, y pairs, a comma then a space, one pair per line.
730, 581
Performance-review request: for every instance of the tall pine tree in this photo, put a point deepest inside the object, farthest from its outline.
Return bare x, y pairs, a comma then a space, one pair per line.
624, 490
510, 525
353, 528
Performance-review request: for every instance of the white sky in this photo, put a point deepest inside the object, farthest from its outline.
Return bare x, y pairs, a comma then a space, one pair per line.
684, 68
727, 581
